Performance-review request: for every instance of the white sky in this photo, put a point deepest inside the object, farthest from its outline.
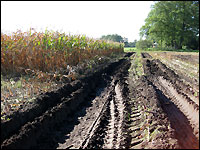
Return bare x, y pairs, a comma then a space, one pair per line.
92, 18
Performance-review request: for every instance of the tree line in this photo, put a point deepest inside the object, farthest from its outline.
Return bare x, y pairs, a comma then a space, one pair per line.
118, 38
173, 24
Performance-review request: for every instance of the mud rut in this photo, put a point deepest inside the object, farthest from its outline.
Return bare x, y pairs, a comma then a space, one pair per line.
111, 109
177, 101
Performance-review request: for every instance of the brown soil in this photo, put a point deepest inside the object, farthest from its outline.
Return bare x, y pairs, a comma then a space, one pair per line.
188, 58
181, 110
110, 108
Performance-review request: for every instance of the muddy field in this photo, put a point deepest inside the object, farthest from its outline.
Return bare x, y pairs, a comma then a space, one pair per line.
115, 107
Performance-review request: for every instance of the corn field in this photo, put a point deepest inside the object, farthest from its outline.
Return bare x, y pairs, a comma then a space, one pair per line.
49, 51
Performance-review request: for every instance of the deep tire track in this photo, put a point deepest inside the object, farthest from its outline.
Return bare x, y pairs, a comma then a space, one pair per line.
179, 108
114, 109
54, 126
110, 129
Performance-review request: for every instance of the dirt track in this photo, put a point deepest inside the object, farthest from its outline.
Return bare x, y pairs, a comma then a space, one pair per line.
111, 109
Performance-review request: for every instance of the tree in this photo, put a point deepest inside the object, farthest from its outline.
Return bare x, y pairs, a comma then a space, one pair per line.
113, 37
173, 24
143, 44
130, 44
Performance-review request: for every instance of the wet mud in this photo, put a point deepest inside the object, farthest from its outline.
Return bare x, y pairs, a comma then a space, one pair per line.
111, 109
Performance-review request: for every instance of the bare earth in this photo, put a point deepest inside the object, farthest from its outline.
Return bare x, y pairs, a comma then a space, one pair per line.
111, 109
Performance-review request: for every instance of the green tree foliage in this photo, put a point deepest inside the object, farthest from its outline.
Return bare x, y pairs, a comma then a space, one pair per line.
113, 37
144, 44
173, 24
130, 44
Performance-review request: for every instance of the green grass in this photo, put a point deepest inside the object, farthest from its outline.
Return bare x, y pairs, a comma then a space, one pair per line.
134, 49
171, 50
137, 66
129, 49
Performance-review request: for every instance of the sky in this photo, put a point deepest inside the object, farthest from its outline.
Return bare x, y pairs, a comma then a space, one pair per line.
90, 18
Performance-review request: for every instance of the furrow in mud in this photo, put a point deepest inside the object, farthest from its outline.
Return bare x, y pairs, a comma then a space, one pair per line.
110, 132
149, 125
192, 81
146, 55
180, 101
42, 104
165, 77
120, 108
82, 131
182, 112
181, 87
54, 127
179, 122
115, 107
113, 135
